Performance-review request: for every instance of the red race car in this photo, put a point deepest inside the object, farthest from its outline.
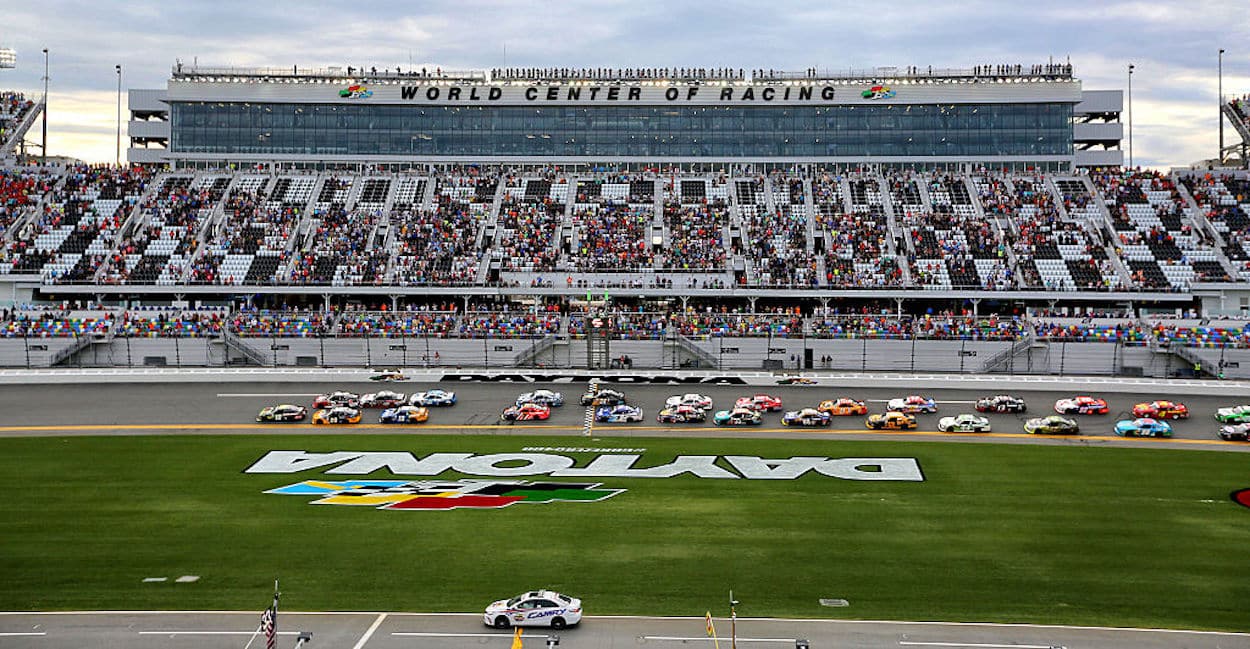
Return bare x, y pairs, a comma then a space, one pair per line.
760, 403
340, 398
526, 412
1161, 410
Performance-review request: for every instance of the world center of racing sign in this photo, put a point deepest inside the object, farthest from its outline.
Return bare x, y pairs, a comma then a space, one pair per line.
442, 495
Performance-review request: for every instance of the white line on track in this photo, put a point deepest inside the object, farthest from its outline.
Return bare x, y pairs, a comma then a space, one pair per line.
417, 634
175, 632
252, 395
976, 645
18, 634
369, 633
671, 638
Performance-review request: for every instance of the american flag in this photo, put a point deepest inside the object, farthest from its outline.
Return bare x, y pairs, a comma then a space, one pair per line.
269, 625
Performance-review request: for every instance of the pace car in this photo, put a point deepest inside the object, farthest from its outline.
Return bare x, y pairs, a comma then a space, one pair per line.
1161, 410
1000, 403
404, 415
893, 420
701, 401
760, 402
1233, 415
284, 412
1237, 433
340, 398
526, 412
964, 423
1081, 405
336, 416
435, 397
618, 414
535, 608
603, 397
913, 404
806, 417
383, 399
681, 415
545, 397
843, 406
737, 417
1051, 425
1143, 427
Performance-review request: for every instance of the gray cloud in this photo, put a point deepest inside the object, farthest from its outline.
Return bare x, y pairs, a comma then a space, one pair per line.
1173, 44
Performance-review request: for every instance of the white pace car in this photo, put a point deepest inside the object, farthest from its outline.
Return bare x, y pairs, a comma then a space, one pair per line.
535, 608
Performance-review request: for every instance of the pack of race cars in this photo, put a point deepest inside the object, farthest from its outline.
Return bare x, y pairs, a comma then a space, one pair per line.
612, 406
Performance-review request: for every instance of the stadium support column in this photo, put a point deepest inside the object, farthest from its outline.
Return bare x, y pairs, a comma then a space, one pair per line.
898, 307
976, 307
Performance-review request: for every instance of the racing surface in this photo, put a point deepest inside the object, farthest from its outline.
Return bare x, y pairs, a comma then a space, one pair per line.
225, 630
226, 408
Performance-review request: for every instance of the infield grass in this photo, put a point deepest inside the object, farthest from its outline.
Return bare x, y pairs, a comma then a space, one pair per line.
1005, 533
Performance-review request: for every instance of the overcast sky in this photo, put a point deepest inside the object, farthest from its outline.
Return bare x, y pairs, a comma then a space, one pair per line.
1173, 45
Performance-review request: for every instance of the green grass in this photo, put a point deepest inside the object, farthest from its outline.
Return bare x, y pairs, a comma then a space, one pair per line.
1009, 533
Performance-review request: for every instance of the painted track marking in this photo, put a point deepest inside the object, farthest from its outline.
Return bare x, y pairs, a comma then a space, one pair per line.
419, 634
671, 638
21, 634
369, 632
976, 645
176, 632
251, 395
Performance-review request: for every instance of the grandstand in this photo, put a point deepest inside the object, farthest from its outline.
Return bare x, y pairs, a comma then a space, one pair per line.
757, 204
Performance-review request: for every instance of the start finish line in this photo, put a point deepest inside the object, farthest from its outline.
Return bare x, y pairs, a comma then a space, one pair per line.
616, 465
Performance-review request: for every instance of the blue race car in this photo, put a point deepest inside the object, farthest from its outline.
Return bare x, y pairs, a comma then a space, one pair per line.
435, 397
806, 417
1144, 427
618, 414
404, 415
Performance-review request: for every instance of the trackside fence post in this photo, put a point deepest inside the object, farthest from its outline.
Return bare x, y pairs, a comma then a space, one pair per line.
177, 352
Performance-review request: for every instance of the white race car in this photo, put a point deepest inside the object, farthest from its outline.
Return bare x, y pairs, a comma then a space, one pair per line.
535, 608
545, 397
618, 414
435, 397
697, 400
965, 423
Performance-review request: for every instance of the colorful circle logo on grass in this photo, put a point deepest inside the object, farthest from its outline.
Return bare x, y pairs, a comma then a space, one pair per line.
358, 91
1241, 497
442, 495
877, 92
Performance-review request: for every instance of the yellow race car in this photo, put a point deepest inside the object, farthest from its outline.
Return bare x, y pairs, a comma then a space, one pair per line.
893, 420
338, 415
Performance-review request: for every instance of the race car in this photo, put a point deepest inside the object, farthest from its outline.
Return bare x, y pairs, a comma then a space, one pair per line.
535, 608
681, 415
545, 397
383, 399
796, 380
1000, 403
737, 417
340, 398
1081, 406
389, 375
1143, 427
1233, 415
618, 414
964, 423
602, 398
759, 402
526, 412
912, 404
404, 415
337, 415
1161, 410
1051, 425
1237, 433
435, 397
892, 420
806, 417
843, 406
284, 412
701, 401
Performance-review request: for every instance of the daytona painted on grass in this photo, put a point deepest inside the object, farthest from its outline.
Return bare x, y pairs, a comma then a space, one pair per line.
994, 532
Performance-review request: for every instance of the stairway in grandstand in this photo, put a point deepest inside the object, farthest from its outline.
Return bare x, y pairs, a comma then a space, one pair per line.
14, 137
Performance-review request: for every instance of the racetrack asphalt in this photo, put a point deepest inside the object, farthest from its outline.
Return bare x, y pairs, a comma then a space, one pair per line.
231, 630
230, 408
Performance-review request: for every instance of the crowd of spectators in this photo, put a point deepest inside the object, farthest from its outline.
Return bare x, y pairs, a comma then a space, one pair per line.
342, 251
748, 325
171, 324
1089, 330
862, 326
54, 323
476, 324
394, 324
696, 236
280, 324
528, 234
436, 247
13, 109
1202, 335
612, 236
622, 325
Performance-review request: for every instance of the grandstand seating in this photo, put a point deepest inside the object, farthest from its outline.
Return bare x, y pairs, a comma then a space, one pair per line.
856, 229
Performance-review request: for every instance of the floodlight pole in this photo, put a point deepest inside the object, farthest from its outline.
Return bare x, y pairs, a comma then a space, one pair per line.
1130, 115
1219, 108
119, 116
44, 154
